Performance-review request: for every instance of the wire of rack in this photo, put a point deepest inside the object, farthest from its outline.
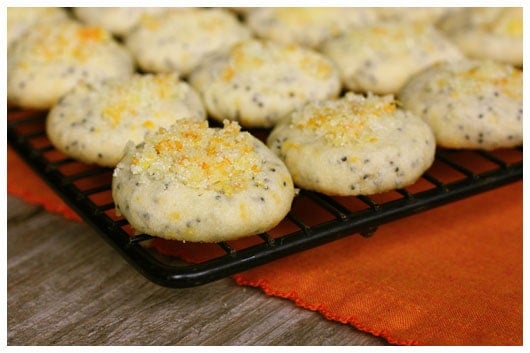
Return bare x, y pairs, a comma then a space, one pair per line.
455, 174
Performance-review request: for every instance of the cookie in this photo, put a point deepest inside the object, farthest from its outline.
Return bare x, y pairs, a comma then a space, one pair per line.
20, 19
258, 82
52, 58
93, 123
380, 58
178, 39
411, 14
307, 26
117, 20
469, 104
354, 145
201, 184
487, 33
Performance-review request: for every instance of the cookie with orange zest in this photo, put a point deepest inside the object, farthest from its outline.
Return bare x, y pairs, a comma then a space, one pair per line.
178, 39
306, 26
380, 58
494, 33
195, 183
469, 104
117, 20
53, 58
355, 145
93, 123
21, 19
257, 82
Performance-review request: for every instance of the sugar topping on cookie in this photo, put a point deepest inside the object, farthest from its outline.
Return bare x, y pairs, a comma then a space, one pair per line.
130, 98
474, 79
79, 47
251, 55
395, 37
223, 160
353, 119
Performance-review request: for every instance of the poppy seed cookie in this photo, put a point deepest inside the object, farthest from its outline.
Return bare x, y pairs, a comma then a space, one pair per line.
116, 20
258, 82
201, 184
178, 39
21, 19
93, 123
381, 58
306, 26
355, 145
52, 58
469, 104
491, 33
412, 14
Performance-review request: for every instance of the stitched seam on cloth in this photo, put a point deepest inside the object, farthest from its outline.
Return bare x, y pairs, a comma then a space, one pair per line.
293, 296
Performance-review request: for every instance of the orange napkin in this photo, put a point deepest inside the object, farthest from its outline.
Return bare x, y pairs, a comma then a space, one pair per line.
447, 276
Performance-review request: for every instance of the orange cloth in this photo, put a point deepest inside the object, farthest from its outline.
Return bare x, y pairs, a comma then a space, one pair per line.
22, 182
447, 276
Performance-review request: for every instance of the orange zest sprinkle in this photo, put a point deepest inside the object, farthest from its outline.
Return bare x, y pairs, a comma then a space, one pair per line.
223, 160
90, 33
228, 74
168, 145
148, 124
344, 121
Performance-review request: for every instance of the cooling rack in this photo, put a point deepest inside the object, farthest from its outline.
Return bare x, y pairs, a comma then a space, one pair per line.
314, 219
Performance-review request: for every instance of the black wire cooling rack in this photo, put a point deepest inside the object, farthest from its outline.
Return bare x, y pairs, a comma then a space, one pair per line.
314, 219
